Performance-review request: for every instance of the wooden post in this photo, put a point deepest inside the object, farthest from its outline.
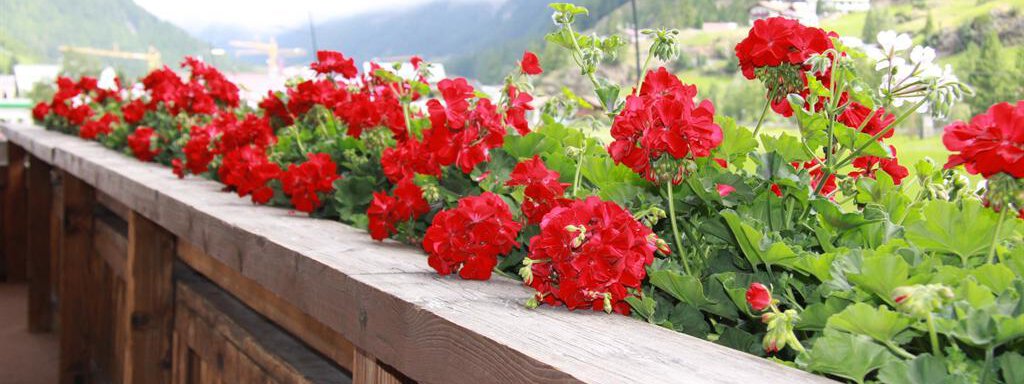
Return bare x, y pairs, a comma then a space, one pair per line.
148, 312
15, 214
40, 206
76, 282
367, 370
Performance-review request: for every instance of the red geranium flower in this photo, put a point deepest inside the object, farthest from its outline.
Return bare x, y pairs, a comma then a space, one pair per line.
759, 297
142, 143
458, 135
40, 111
469, 238
890, 165
235, 134
543, 191
518, 104
993, 142
198, 151
817, 174
274, 108
79, 115
663, 120
248, 171
133, 111
305, 181
588, 255
855, 114
385, 212
93, 128
408, 159
334, 62
530, 65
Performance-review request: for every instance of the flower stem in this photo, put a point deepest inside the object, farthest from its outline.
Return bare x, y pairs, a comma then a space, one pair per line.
675, 229
995, 236
579, 166
640, 80
989, 355
899, 351
933, 336
764, 112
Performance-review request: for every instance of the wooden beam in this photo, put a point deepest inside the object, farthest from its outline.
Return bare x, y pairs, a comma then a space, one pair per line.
15, 215
367, 370
148, 312
77, 284
40, 207
314, 333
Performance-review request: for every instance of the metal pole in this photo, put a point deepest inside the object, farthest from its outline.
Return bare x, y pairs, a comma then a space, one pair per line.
312, 32
636, 39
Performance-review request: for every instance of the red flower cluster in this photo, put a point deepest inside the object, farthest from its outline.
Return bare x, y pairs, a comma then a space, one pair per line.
515, 112
663, 120
304, 182
142, 143
248, 171
993, 142
856, 113
817, 173
461, 135
386, 211
361, 109
93, 128
408, 158
133, 111
588, 254
198, 152
72, 99
543, 191
469, 238
783, 45
334, 62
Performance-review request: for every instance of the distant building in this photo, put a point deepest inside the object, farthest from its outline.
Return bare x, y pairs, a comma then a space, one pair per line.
26, 76
845, 6
806, 12
8, 87
718, 26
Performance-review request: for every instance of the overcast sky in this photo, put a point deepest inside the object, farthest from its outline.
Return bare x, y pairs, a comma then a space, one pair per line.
264, 14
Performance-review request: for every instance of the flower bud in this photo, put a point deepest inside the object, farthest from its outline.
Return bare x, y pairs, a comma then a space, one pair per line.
532, 302
780, 331
921, 300
759, 297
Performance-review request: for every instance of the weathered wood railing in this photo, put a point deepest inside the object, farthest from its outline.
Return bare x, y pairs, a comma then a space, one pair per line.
102, 233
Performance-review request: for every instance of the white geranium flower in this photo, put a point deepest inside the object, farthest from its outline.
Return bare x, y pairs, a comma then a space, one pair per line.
922, 55
895, 62
892, 42
107, 79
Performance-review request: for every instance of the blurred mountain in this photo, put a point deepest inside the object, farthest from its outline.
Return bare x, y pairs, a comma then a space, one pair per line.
475, 39
32, 30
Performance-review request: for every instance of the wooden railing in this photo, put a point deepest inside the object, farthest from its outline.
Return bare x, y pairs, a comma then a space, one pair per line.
369, 311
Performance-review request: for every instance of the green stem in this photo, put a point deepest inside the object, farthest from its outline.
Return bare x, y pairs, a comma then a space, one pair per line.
899, 351
298, 140
899, 119
995, 236
764, 112
989, 356
933, 336
643, 72
579, 166
675, 229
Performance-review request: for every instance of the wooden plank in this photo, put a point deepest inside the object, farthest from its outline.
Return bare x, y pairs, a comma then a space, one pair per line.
40, 207
111, 246
15, 217
319, 336
116, 207
386, 300
368, 370
56, 241
236, 344
76, 280
149, 302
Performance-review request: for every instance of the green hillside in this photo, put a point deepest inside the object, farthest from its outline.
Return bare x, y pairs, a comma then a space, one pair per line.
32, 30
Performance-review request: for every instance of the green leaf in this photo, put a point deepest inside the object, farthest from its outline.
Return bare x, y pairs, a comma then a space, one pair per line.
748, 238
853, 139
879, 323
685, 288
923, 369
1012, 367
815, 316
880, 274
996, 277
737, 142
965, 232
846, 355
643, 306
787, 146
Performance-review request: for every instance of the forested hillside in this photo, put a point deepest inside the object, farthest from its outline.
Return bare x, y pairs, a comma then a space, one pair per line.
32, 30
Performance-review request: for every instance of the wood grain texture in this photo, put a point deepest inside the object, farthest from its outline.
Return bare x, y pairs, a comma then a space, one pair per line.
367, 370
40, 212
229, 337
77, 280
314, 333
15, 217
148, 312
388, 302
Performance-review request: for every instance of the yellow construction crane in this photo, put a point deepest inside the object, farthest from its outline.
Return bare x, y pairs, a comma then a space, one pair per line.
270, 49
151, 56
